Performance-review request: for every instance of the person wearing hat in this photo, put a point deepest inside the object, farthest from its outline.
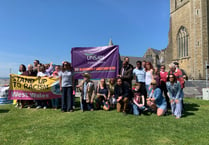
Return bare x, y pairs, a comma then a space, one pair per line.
183, 72
87, 93
155, 99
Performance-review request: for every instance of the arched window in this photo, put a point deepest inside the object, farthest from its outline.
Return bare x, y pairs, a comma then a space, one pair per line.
182, 42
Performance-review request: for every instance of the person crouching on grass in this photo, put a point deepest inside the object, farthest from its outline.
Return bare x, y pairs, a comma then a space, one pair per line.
111, 97
66, 87
87, 93
102, 95
175, 94
155, 99
122, 94
138, 100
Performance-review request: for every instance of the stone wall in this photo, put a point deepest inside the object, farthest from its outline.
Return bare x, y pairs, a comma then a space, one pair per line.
193, 15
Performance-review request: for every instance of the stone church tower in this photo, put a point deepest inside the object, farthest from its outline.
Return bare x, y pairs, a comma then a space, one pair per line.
188, 36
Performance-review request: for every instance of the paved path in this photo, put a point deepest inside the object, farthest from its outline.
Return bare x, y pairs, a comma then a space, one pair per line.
193, 88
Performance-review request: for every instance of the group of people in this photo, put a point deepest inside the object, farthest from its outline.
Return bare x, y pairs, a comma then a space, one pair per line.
40, 70
154, 90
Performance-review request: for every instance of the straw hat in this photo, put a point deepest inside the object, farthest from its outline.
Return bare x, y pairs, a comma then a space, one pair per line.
86, 75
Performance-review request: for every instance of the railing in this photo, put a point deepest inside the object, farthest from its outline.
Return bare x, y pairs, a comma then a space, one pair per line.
206, 71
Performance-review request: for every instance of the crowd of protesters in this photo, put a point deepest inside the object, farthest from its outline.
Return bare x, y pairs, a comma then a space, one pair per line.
154, 90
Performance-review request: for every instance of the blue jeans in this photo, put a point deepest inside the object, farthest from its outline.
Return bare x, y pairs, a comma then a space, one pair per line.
42, 103
67, 99
137, 110
147, 88
86, 106
176, 108
54, 103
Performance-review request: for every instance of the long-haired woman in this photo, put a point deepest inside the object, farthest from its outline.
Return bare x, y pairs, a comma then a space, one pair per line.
175, 94
149, 74
102, 95
66, 86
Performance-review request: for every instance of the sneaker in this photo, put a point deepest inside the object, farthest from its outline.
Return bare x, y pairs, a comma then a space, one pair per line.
44, 107
38, 107
146, 109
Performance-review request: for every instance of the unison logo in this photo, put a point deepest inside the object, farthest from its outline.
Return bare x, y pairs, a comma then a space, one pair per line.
94, 57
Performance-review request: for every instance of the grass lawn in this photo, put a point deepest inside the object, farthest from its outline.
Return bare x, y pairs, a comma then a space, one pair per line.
31, 126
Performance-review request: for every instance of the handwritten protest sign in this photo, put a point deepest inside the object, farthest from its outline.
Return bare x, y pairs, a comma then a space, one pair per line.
33, 88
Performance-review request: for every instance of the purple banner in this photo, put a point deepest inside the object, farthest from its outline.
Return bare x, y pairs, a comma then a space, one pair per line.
99, 62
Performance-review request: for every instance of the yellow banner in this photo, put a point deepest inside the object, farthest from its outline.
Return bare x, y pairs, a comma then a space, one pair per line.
34, 84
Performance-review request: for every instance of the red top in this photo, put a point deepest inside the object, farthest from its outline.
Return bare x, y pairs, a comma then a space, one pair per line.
163, 76
179, 77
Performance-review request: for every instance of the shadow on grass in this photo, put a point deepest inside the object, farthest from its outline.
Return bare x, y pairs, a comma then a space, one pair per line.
189, 108
4, 111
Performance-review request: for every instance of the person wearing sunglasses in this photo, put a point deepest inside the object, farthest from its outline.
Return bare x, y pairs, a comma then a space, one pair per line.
155, 99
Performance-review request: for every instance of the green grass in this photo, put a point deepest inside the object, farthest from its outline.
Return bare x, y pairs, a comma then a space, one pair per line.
37, 127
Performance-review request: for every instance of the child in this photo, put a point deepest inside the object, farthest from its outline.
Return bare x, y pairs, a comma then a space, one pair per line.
138, 100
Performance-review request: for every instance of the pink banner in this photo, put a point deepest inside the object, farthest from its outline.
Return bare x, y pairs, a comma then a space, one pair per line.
25, 95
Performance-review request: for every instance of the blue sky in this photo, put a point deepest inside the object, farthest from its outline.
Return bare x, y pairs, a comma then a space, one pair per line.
48, 29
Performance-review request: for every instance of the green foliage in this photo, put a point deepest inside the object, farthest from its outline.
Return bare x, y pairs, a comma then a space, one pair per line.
51, 127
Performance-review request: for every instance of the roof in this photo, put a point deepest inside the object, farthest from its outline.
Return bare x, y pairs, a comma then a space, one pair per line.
155, 51
133, 60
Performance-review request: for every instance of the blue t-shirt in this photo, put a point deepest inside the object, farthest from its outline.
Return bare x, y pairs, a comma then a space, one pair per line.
140, 74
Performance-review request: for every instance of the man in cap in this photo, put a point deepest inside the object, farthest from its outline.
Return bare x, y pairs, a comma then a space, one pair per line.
183, 72
87, 93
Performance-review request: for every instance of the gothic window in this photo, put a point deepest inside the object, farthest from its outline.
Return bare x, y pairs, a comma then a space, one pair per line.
182, 42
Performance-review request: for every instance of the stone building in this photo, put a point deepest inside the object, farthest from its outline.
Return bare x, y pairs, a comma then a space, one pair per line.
153, 55
188, 36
